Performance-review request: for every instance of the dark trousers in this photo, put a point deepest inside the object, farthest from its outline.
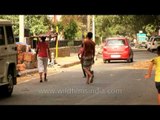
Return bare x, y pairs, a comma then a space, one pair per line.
84, 73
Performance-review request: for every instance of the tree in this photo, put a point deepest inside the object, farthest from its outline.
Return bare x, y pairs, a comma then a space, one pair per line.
35, 23
38, 24
70, 30
129, 25
15, 21
81, 21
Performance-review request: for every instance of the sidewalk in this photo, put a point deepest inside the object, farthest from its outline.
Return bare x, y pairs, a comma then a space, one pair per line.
62, 62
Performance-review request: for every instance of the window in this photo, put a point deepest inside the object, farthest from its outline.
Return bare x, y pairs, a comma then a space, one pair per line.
10, 37
2, 39
116, 42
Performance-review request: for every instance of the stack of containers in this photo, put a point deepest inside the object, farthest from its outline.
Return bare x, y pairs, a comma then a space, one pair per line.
26, 59
21, 48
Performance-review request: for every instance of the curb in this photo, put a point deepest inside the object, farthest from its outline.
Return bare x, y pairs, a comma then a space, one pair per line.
30, 71
70, 64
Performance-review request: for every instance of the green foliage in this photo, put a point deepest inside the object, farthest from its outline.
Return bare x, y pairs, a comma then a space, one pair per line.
60, 26
79, 35
97, 40
80, 20
70, 30
35, 23
38, 24
149, 29
73, 26
109, 25
15, 21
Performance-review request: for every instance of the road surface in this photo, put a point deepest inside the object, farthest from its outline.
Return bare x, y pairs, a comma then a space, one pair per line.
115, 83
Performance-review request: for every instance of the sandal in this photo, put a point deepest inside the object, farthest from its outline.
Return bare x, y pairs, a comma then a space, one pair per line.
91, 81
92, 73
87, 81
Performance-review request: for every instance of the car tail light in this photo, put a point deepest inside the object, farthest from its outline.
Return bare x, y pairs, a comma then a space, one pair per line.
126, 48
105, 49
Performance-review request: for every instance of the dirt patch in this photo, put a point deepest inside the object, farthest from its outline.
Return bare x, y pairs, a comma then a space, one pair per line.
141, 64
27, 77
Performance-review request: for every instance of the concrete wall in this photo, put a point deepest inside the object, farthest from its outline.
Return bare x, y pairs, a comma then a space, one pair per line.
62, 51
65, 51
74, 49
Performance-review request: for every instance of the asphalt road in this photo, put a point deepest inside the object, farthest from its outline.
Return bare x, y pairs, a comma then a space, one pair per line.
114, 84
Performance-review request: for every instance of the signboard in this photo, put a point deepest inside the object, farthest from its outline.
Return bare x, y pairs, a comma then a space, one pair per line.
141, 37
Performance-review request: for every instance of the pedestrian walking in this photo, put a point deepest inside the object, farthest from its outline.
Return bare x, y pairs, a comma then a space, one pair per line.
155, 62
88, 57
43, 53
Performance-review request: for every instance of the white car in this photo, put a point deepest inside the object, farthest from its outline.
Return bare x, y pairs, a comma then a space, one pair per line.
154, 43
8, 58
148, 43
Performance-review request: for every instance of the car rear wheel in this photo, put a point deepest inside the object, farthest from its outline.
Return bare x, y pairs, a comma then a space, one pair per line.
8, 89
131, 59
128, 60
104, 61
109, 61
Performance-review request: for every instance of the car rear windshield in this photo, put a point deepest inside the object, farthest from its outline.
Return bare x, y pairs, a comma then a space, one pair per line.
117, 42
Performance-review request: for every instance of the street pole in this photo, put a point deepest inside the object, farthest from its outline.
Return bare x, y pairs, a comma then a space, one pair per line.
88, 23
159, 31
57, 42
93, 28
21, 28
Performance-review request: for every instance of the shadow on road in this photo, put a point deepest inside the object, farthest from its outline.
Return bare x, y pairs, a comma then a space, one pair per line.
112, 62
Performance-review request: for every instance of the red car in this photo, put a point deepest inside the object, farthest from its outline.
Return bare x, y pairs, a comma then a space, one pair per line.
117, 48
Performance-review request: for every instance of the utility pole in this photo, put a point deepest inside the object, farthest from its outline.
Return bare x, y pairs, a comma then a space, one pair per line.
93, 27
21, 28
88, 23
159, 30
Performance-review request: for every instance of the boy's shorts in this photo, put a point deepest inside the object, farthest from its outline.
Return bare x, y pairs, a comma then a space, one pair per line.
42, 64
158, 86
